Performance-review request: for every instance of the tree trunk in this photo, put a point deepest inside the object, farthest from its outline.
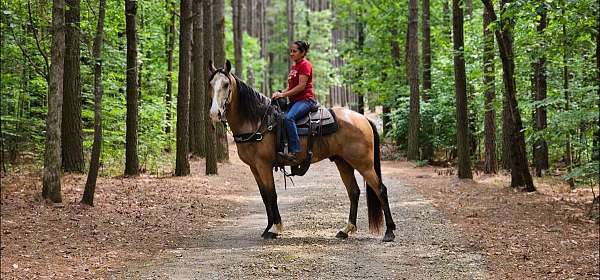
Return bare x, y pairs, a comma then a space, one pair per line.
413, 80
520, 176
170, 46
71, 133
489, 85
540, 147
238, 37
569, 151
469, 8
198, 145
131, 156
264, 38
596, 141
290, 27
219, 54
426, 51
506, 135
52, 161
182, 165
460, 89
210, 134
90, 184
249, 16
446, 11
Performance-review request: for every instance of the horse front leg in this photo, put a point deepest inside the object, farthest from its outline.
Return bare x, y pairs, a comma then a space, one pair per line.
266, 186
347, 174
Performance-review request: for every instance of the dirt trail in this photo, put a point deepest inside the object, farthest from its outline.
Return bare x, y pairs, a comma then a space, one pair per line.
312, 210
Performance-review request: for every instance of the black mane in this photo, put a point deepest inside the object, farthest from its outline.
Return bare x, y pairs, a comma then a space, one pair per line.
252, 104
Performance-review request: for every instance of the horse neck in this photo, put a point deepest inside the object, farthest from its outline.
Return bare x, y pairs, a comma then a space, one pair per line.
236, 123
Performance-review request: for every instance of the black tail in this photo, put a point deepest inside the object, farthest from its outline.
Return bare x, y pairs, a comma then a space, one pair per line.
373, 203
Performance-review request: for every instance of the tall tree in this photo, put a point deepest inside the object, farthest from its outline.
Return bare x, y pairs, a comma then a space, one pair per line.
131, 155
197, 99
426, 30
71, 133
52, 161
460, 89
489, 85
290, 27
238, 36
520, 176
210, 133
565, 57
596, 142
182, 165
90, 184
219, 55
413, 80
170, 47
540, 147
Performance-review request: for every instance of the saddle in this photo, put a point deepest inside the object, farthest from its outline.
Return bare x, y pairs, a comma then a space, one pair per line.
319, 122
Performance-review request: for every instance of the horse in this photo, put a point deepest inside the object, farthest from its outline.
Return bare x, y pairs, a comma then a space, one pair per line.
354, 146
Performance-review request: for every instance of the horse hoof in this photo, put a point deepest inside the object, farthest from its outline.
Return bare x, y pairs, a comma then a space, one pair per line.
342, 235
269, 235
389, 236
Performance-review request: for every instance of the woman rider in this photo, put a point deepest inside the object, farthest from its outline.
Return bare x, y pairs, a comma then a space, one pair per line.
300, 93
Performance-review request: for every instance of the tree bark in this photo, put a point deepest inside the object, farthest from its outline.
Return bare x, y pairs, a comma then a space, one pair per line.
413, 80
71, 133
569, 151
520, 176
469, 8
460, 89
238, 37
170, 46
426, 51
540, 147
131, 156
210, 133
249, 16
52, 161
198, 145
182, 164
290, 27
90, 184
489, 85
219, 54
447, 22
596, 142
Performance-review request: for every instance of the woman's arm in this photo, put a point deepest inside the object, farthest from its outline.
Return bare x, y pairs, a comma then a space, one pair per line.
302, 81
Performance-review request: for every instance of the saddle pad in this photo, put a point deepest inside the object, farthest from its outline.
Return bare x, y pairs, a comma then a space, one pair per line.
323, 122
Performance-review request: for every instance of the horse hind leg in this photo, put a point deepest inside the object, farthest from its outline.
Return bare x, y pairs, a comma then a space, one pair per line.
374, 182
347, 174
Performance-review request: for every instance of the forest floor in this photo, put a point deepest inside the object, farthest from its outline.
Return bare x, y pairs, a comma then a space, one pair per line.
199, 227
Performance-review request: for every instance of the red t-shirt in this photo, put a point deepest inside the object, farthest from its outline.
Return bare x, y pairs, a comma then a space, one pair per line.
301, 68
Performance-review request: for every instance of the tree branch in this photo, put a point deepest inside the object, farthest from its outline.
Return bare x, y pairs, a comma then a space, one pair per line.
37, 41
35, 66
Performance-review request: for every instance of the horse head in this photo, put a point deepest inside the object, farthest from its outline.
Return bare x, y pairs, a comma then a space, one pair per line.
221, 90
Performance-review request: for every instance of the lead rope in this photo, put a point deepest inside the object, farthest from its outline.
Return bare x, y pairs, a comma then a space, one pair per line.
285, 176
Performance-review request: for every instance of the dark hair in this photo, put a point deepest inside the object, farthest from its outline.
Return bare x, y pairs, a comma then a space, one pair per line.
302, 46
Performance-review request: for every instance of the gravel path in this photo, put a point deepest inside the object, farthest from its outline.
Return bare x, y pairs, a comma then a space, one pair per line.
312, 210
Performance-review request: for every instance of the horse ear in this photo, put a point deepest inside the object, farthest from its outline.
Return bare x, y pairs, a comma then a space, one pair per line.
227, 65
211, 67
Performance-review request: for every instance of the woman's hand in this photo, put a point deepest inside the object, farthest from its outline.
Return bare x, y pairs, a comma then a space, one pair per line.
277, 95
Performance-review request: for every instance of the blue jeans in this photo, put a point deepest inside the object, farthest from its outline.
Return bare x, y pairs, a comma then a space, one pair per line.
296, 111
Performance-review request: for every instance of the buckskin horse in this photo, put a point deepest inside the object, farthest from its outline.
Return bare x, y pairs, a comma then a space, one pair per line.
354, 146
